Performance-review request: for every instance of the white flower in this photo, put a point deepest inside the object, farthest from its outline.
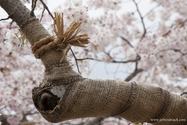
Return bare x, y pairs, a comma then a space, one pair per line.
77, 3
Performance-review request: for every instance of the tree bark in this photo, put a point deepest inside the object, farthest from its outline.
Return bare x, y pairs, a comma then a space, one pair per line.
133, 101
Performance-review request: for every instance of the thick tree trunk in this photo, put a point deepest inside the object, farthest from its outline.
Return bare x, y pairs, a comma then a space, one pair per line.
133, 101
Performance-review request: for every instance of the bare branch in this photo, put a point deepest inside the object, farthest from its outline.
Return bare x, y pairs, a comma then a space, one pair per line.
132, 60
176, 50
114, 61
85, 59
132, 75
33, 7
184, 93
42, 14
136, 71
5, 18
151, 10
127, 41
45, 6
169, 31
142, 19
75, 60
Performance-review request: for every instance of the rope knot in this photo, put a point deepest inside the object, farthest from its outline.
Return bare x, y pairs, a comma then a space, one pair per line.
62, 40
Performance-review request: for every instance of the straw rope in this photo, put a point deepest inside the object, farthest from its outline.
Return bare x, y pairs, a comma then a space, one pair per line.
62, 40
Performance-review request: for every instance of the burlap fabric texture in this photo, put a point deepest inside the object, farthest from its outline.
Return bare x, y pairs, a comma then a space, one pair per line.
133, 101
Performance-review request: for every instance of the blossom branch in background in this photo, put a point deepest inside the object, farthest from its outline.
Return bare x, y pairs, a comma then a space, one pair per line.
46, 7
127, 41
42, 13
75, 60
142, 20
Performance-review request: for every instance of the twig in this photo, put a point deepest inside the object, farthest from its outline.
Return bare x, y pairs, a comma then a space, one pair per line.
127, 41
75, 60
42, 14
151, 10
31, 113
142, 20
33, 7
85, 59
45, 6
106, 68
113, 49
132, 75
114, 61
136, 71
132, 60
5, 18
176, 50
169, 31
184, 93
116, 70
108, 54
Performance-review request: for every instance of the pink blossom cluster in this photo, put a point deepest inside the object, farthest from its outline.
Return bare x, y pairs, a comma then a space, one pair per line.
105, 4
19, 73
165, 51
15, 120
77, 11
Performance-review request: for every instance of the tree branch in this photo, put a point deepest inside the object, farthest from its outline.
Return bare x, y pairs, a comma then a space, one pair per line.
127, 41
114, 61
142, 20
5, 18
75, 60
132, 75
136, 71
33, 7
42, 14
45, 6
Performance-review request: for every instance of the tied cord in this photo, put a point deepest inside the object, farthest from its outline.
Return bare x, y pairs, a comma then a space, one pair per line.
62, 40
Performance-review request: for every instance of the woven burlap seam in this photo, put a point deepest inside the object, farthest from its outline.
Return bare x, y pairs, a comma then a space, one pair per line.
129, 101
64, 81
28, 22
63, 99
164, 106
55, 64
62, 40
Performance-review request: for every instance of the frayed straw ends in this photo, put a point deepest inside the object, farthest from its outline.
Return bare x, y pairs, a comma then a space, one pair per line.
62, 40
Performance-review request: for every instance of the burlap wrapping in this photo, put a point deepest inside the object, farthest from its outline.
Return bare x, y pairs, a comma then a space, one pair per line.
90, 98
133, 101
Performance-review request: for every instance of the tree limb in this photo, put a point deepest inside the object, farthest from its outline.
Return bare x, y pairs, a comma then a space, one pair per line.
142, 20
